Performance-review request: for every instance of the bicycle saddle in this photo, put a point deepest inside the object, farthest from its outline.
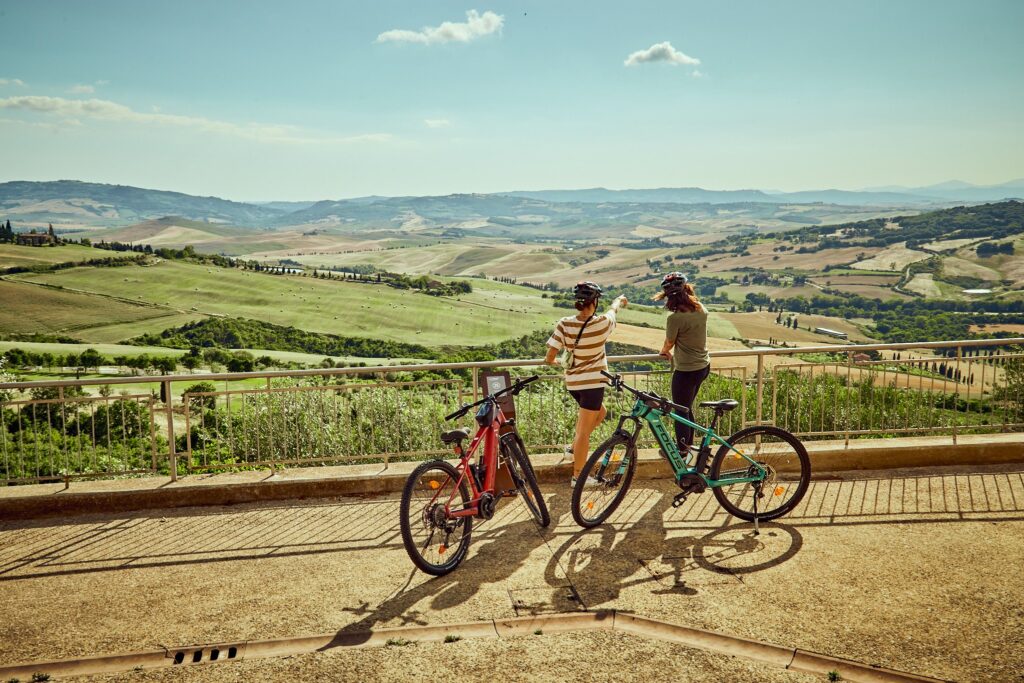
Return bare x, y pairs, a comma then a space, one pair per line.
724, 405
455, 435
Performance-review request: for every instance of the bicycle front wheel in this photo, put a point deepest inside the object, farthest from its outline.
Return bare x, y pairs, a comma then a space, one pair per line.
604, 481
436, 543
525, 479
788, 473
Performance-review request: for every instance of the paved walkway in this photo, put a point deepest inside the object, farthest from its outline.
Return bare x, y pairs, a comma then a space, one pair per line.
914, 570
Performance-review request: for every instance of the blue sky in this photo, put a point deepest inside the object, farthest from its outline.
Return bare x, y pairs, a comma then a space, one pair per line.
310, 100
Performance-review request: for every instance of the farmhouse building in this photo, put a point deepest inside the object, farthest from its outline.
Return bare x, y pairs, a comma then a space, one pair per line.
34, 239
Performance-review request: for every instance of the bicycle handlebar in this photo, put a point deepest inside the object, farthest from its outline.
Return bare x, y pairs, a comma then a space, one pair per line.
513, 388
663, 403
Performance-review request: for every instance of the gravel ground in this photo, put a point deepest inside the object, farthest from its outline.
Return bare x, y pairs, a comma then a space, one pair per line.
589, 656
919, 572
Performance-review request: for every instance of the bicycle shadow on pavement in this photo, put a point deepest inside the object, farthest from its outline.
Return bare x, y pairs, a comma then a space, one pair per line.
491, 564
636, 548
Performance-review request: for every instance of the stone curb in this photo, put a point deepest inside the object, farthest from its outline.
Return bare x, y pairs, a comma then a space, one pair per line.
766, 653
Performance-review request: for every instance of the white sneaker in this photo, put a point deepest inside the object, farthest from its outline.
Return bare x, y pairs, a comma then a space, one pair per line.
590, 482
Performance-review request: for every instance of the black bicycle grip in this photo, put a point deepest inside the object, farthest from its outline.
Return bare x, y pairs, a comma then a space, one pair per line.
458, 413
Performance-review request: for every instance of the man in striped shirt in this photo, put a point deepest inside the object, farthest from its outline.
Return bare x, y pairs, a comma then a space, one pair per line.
584, 336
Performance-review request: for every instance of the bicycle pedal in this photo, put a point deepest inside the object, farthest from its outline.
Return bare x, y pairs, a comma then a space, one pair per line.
679, 499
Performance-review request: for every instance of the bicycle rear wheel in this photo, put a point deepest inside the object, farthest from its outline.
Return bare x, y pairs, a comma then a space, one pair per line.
435, 542
525, 479
604, 481
789, 473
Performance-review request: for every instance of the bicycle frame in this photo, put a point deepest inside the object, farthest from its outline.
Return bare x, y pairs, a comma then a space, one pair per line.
489, 437
643, 413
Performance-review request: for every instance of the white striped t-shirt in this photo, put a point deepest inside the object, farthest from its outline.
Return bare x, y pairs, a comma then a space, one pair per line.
589, 355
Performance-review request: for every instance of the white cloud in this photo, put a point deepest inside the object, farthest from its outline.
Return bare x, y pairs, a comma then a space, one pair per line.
661, 52
437, 123
81, 89
72, 111
476, 26
12, 81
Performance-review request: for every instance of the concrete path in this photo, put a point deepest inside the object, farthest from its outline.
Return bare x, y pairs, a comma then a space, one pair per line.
913, 570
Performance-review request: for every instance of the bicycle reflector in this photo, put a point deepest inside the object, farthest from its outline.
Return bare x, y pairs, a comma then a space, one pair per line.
434, 484
778, 490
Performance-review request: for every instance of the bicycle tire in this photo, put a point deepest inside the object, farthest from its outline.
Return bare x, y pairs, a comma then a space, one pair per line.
728, 498
525, 480
406, 523
514, 435
593, 468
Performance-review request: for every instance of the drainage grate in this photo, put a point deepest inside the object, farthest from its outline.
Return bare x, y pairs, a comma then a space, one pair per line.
211, 654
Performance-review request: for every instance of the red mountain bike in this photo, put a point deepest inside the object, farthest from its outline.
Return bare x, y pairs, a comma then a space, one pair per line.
440, 500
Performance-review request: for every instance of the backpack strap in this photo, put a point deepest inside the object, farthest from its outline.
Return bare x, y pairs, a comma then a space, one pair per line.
578, 335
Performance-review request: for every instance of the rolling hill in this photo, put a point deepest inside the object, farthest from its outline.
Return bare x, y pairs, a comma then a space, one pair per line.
76, 203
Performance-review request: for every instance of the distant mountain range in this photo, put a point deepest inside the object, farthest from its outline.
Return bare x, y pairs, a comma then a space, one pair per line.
959, 191
73, 203
953, 191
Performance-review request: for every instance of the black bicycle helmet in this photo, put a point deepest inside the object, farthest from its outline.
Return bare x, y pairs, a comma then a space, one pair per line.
673, 282
586, 291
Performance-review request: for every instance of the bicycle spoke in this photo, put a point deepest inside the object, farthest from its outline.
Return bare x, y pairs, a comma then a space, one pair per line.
433, 539
603, 482
783, 467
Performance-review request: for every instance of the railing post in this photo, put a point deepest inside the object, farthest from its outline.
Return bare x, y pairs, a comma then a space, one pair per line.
172, 455
846, 410
956, 393
476, 383
760, 387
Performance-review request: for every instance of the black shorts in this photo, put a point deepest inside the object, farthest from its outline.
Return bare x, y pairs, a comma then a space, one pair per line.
588, 399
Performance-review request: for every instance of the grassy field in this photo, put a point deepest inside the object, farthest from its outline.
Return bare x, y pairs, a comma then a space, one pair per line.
952, 265
28, 309
493, 312
894, 258
15, 255
761, 326
925, 285
738, 292
113, 350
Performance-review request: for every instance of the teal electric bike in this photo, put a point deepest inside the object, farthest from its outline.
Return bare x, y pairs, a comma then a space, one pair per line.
758, 474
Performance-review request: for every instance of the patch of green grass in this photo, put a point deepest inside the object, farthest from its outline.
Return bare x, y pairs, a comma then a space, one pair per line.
40, 677
16, 255
398, 642
834, 676
538, 632
492, 312
452, 638
29, 309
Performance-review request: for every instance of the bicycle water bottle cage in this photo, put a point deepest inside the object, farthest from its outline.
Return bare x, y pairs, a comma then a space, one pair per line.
485, 415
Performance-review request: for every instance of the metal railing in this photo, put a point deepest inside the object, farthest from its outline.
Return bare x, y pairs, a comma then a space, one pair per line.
108, 427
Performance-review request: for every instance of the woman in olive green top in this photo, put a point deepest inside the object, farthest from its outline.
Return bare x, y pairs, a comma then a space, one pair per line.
687, 332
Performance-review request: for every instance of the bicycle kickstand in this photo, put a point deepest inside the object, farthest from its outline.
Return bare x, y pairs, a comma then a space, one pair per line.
757, 529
